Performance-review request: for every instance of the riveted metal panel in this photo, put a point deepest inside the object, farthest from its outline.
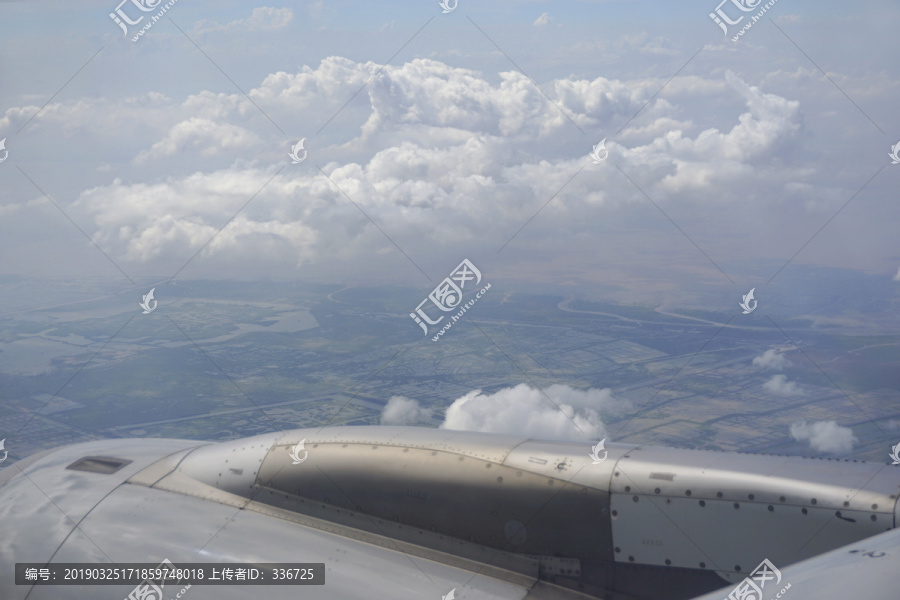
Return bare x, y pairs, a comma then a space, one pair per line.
724, 536
734, 476
721, 511
477, 445
568, 461
231, 466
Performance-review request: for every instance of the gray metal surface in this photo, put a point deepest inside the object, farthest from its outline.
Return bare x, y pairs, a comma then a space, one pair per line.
726, 511
477, 445
866, 569
43, 501
193, 530
52, 514
414, 512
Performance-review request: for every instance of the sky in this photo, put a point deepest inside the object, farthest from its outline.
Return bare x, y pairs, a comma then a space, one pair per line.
429, 137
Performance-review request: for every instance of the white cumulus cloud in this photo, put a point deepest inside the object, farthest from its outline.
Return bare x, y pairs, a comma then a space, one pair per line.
439, 155
780, 386
145, 220
824, 436
401, 410
771, 359
572, 414
198, 133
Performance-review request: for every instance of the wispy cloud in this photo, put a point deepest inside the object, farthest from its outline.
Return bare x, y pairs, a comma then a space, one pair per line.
542, 20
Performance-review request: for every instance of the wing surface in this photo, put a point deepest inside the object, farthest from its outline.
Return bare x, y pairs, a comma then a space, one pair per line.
52, 513
865, 569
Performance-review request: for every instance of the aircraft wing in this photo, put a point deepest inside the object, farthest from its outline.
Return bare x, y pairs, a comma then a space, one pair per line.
866, 569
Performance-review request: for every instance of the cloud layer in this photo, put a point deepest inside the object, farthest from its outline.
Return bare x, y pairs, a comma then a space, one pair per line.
735, 162
442, 153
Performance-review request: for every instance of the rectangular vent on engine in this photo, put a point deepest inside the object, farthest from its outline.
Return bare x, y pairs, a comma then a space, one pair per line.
105, 465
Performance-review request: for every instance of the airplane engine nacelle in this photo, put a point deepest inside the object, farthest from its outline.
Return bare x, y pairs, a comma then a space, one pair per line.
643, 519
